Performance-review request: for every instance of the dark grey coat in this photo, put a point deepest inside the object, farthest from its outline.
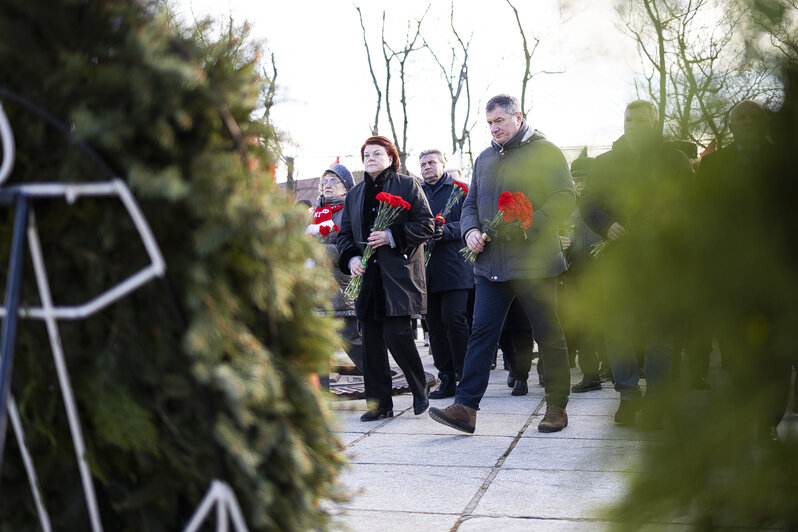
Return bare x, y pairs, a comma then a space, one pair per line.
536, 167
401, 268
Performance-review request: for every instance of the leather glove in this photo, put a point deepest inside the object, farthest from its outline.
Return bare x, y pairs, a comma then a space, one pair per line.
511, 232
490, 231
438, 234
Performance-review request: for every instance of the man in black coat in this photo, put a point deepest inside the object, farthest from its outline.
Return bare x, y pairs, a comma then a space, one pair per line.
753, 370
615, 202
449, 277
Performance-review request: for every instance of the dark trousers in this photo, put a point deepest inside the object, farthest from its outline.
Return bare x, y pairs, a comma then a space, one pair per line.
538, 298
587, 346
447, 321
395, 333
517, 342
623, 341
761, 378
354, 342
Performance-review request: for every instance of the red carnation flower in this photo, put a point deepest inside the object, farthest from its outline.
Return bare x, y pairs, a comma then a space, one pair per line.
505, 201
439, 218
462, 186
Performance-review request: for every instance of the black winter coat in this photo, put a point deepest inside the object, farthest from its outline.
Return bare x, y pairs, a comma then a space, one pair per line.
622, 186
401, 268
734, 165
447, 270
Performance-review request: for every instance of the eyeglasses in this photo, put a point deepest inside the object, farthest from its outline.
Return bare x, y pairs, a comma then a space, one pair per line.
332, 181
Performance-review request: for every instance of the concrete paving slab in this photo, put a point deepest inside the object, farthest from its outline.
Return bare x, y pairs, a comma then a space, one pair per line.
575, 455
597, 427
552, 494
407, 488
488, 424
592, 406
509, 524
349, 421
501, 391
510, 405
347, 438
368, 521
433, 450
348, 415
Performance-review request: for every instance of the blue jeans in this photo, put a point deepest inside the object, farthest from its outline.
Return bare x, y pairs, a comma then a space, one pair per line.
538, 297
658, 355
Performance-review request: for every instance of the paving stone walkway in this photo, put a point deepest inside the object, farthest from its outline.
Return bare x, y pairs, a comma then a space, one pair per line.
411, 473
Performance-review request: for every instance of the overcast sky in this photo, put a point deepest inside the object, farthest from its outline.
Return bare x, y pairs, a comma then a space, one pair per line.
326, 99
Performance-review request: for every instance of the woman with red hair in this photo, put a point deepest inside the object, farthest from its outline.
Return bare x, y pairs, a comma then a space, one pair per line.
394, 282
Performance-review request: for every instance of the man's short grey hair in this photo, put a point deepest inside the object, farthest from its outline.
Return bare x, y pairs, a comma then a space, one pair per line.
644, 104
508, 103
433, 151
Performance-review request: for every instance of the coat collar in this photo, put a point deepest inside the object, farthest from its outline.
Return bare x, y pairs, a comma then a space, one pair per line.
445, 179
383, 176
523, 136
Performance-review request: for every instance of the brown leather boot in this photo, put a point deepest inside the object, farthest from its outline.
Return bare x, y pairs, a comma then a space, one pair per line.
457, 415
555, 420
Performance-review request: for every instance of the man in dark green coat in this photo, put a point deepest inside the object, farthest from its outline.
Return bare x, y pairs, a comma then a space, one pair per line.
511, 263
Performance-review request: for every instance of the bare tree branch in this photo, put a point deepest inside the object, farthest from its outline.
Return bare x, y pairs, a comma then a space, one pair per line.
456, 79
376, 126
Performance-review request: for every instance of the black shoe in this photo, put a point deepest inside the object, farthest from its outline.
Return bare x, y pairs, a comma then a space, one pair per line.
377, 413
605, 373
510, 381
447, 388
520, 388
541, 381
586, 385
420, 404
627, 411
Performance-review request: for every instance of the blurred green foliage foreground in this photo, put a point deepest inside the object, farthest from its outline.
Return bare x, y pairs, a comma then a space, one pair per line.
716, 261
205, 375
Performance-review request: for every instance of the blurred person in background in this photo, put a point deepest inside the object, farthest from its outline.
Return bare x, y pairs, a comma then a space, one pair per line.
325, 222
619, 197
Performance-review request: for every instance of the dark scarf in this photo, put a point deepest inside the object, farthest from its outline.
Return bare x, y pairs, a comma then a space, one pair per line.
372, 187
372, 300
332, 202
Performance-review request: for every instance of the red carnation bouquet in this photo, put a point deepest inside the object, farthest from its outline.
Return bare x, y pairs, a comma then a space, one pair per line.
514, 208
325, 230
389, 209
458, 191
